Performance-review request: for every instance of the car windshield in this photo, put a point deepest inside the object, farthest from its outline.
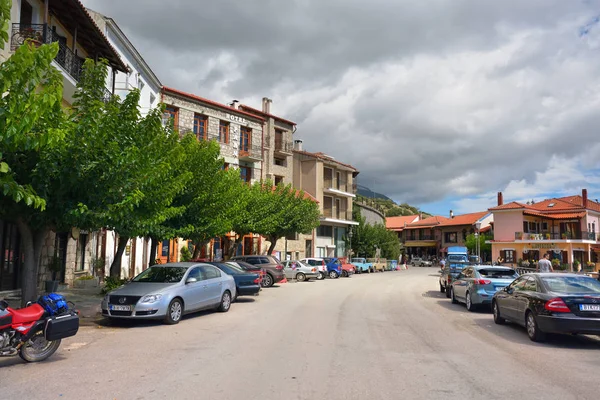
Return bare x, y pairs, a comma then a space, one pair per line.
572, 284
161, 275
457, 258
230, 269
507, 273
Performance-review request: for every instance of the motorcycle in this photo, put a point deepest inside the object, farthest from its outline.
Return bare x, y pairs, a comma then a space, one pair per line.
35, 332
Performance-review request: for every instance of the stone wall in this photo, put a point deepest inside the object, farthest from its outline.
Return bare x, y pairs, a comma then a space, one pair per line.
370, 215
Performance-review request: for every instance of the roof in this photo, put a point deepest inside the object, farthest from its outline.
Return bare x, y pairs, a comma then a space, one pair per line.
427, 222
548, 206
464, 219
513, 205
555, 215
73, 14
210, 102
324, 157
399, 221
257, 111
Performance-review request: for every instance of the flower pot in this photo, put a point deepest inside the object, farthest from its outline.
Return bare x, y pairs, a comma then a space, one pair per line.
51, 286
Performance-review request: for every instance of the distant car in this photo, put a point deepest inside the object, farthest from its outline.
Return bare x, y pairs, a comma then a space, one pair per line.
476, 285
420, 262
362, 265
334, 267
269, 263
449, 273
249, 268
379, 264
550, 303
246, 283
299, 271
348, 269
168, 291
319, 263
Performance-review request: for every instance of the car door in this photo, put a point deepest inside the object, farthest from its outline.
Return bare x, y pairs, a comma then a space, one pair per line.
213, 284
193, 292
460, 285
522, 298
288, 269
508, 302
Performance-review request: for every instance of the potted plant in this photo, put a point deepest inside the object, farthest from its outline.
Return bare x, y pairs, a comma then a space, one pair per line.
547, 236
34, 36
576, 265
54, 265
555, 263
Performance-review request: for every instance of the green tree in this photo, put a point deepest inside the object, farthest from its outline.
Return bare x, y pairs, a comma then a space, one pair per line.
471, 243
366, 239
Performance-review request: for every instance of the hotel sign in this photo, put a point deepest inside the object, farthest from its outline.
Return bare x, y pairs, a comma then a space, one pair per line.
543, 245
235, 118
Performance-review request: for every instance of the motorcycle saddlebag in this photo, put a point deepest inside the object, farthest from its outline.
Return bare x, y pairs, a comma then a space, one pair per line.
61, 327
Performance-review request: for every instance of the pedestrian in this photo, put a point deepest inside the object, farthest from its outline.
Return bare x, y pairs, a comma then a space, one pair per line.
544, 265
442, 264
500, 260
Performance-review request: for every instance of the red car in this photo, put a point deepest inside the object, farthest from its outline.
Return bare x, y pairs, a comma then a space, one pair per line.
347, 268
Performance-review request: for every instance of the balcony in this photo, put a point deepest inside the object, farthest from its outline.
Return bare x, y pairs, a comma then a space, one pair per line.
42, 34
250, 153
280, 146
340, 188
422, 237
558, 236
337, 214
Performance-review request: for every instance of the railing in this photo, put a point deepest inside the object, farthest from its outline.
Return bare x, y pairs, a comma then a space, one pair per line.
251, 151
42, 34
337, 214
557, 236
284, 147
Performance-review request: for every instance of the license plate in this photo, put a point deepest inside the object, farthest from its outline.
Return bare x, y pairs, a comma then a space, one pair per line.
119, 308
589, 307
499, 288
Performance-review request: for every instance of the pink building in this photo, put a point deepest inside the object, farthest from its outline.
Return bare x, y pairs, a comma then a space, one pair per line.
565, 227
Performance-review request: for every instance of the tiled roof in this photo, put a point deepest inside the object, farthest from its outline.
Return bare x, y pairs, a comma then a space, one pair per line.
549, 205
555, 215
464, 219
427, 222
400, 221
257, 111
513, 205
578, 201
210, 102
322, 156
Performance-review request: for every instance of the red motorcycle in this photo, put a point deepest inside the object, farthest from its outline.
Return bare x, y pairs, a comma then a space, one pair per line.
35, 332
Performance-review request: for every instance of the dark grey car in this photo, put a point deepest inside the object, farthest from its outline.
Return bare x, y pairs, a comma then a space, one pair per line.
271, 264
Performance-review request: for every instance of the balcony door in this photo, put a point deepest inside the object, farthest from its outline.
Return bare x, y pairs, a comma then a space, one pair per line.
26, 13
245, 139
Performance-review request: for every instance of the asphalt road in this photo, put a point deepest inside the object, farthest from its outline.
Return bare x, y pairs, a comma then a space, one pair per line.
386, 336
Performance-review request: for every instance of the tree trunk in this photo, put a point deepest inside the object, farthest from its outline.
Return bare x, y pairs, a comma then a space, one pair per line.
153, 247
32, 242
273, 241
115, 267
233, 248
198, 245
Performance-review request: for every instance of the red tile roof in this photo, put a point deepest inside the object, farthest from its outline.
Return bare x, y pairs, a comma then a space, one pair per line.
259, 112
427, 222
555, 215
210, 102
513, 205
464, 219
325, 157
558, 204
400, 221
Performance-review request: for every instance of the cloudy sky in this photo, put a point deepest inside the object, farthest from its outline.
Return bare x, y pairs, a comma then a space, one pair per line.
439, 103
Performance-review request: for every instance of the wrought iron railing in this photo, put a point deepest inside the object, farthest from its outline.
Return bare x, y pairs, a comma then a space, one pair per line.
281, 145
42, 34
557, 236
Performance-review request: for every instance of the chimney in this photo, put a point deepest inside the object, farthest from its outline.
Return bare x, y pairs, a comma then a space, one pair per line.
584, 196
451, 214
500, 199
266, 105
298, 144
235, 104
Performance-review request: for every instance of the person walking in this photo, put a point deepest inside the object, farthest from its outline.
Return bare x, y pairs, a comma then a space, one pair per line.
544, 265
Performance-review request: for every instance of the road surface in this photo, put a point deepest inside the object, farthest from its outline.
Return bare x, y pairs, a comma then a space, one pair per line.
386, 336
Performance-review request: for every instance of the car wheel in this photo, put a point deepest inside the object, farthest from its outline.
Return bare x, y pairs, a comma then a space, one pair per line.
268, 281
454, 301
447, 291
496, 311
174, 312
300, 277
225, 304
333, 275
321, 276
442, 288
533, 331
469, 302
345, 274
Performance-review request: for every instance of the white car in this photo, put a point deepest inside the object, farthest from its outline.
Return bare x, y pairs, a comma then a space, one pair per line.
299, 271
319, 263
419, 262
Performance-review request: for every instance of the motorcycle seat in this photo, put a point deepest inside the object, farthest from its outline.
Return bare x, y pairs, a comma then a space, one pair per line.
28, 314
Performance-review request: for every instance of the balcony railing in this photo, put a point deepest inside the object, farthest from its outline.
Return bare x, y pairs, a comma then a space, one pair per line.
282, 146
42, 34
558, 236
422, 237
250, 152
337, 214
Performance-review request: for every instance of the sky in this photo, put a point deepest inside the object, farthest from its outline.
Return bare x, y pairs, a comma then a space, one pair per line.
440, 103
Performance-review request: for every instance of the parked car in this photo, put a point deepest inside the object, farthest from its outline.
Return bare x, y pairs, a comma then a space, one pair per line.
319, 263
347, 269
246, 283
299, 271
379, 264
272, 266
249, 268
392, 265
476, 285
168, 291
550, 303
334, 267
449, 273
362, 265
420, 262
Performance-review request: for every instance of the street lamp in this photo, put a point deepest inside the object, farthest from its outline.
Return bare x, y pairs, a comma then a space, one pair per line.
477, 244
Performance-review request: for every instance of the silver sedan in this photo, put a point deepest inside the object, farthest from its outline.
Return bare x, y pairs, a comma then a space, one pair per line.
169, 291
299, 271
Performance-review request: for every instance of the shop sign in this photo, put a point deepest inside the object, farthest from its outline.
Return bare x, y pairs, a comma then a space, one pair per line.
543, 245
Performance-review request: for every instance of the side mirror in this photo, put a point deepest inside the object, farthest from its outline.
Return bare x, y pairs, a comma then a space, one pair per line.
191, 280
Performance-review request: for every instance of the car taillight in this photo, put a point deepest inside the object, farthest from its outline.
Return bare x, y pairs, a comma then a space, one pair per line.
481, 282
314, 270
279, 268
257, 280
556, 305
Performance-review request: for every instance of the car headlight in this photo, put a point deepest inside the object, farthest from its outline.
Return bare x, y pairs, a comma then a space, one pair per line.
106, 298
151, 298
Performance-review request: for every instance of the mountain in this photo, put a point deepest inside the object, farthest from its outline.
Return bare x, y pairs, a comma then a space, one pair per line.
384, 204
366, 192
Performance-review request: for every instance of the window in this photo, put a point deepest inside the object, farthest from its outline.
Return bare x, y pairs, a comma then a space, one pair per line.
450, 237
224, 132
530, 285
328, 206
308, 248
200, 125
278, 179
165, 248
195, 273
544, 226
245, 139
279, 161
246, 174
174, 116
508, 256
278, 139
82, 243
519, 284
210, 272
328, 177
325, 231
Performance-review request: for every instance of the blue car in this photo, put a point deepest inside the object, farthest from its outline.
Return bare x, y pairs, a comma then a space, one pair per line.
334, 267
476, 285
